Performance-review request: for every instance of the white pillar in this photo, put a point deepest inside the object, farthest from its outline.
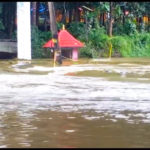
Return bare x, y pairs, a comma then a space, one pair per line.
23, 30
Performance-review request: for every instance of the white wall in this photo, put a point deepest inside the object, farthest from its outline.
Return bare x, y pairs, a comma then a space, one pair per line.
23, 30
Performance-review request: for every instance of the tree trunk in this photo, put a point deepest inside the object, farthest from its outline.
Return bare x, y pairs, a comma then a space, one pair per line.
4, 18
110, 20
37, 13
70, 16
86, 25
63, 17
12, 18
101, 19
142, 24
45, 20
77, 14
73, 14
123, 16
64, 13
34, 13
53, 26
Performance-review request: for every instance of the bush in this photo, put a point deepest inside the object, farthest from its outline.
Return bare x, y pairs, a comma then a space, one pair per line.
141, 45
99, 38
136, 45
88, 51
133, 45
38, 39
121, 45
97, 43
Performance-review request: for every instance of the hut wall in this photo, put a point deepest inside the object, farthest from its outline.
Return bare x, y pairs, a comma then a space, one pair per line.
75, 54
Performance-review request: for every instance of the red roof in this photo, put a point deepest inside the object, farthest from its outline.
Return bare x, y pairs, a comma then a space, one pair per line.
65, 40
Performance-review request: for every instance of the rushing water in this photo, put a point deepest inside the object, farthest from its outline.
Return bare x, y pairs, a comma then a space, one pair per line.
99, 105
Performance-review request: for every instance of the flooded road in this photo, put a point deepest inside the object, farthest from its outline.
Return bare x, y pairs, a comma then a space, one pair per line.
97, 104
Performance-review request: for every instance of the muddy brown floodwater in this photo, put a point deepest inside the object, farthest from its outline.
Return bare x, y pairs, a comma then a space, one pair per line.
89, 103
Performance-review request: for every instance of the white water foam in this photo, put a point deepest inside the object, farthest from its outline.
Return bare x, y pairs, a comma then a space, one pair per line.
55, 91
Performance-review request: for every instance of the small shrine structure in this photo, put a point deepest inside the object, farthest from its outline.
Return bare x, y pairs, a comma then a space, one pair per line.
69, 45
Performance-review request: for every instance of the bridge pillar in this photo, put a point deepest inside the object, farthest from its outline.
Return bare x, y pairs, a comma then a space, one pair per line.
23, 31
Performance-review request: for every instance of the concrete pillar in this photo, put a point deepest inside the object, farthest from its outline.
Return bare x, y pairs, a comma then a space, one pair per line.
75, 54
23, 30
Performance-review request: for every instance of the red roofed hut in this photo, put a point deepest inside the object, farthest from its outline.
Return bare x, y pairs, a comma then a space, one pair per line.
68, 44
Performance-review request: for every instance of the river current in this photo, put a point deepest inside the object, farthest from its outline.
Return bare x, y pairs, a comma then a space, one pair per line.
81, 105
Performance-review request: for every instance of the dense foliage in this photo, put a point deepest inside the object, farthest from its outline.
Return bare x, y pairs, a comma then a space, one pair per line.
130, 32
130, 37
38, 39
133, 45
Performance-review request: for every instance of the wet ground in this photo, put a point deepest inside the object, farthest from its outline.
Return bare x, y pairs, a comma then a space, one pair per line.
89, 103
